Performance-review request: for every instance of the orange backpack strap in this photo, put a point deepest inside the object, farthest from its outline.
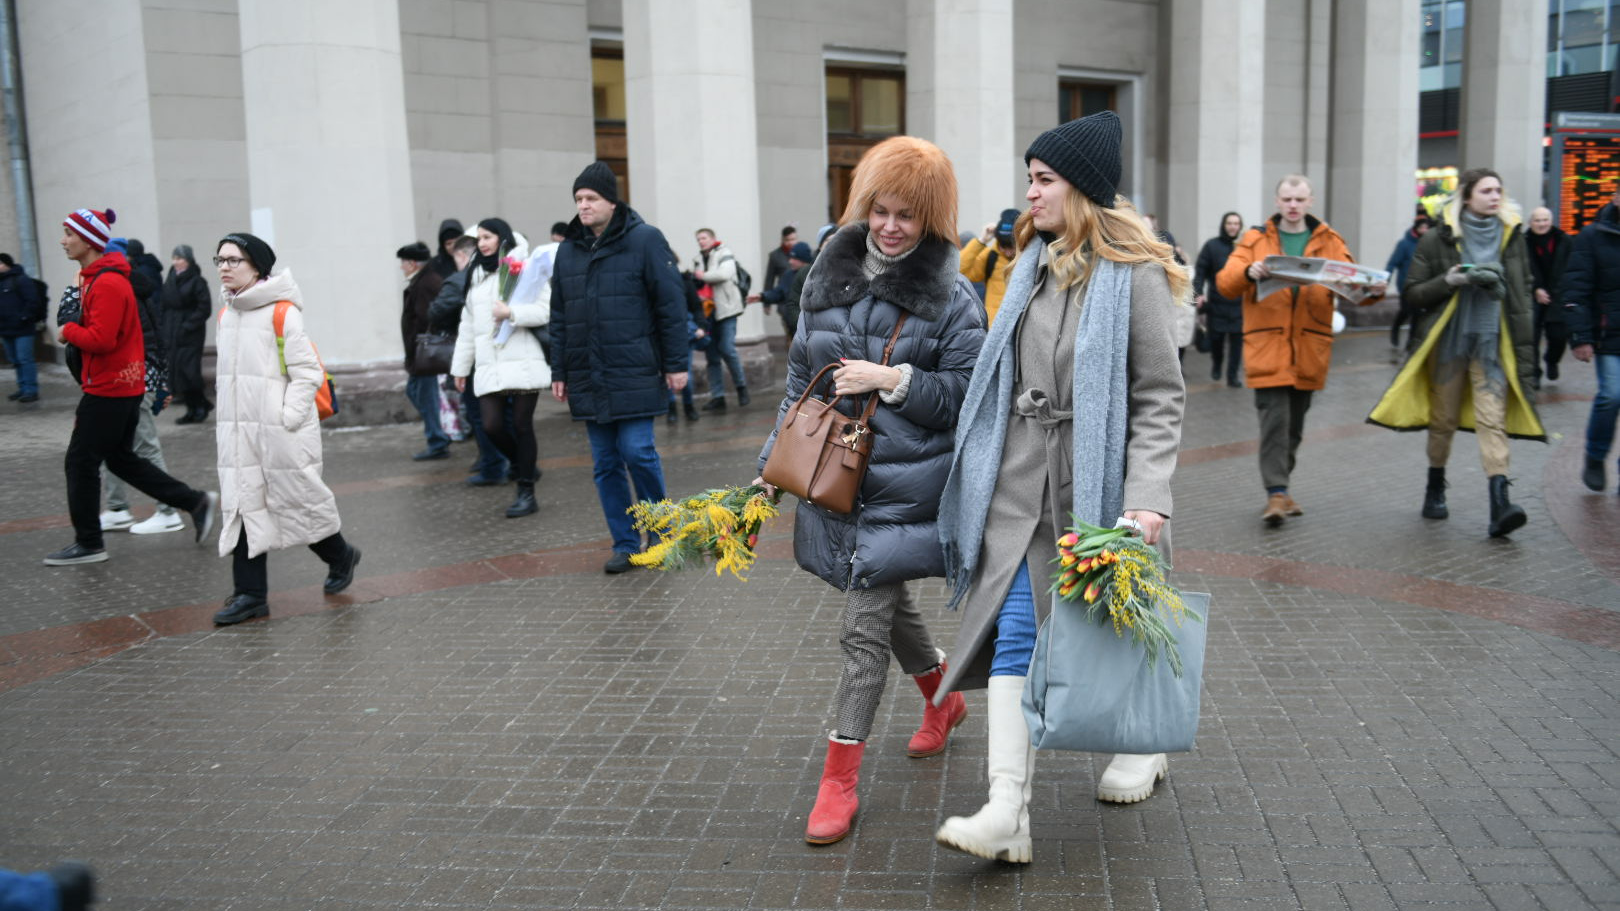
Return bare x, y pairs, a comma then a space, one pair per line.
280, 318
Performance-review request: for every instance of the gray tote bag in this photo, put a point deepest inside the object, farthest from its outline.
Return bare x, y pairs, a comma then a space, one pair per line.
1091, 690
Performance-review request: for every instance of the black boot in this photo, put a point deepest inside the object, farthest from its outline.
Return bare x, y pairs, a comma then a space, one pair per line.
524, 504
691, 412
1592, 475
716, 403
340, 574
673, 414
742, 396
240, 607
1434, 496
1505, 517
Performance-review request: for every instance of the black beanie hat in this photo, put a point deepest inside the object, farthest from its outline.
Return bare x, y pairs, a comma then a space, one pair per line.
416, 252
257, 251
599, 178
449, 229
1084, 152
1004, 225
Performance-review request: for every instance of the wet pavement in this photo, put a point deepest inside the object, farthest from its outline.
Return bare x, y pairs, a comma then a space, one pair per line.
1398, 713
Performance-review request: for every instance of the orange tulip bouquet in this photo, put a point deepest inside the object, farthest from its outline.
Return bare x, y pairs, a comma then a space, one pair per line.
1110, 569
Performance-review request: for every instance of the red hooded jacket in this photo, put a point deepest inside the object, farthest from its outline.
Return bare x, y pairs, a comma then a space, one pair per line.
110, 332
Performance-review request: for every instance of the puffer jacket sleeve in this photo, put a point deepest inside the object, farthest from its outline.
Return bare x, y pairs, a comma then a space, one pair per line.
461, 363
304, 372
663, 283
935, 399
1575, 292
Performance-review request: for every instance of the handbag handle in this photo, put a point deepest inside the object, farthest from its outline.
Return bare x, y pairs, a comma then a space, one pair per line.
872, 398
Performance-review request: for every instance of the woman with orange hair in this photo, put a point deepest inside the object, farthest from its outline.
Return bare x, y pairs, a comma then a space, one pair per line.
892, 264
1074, 407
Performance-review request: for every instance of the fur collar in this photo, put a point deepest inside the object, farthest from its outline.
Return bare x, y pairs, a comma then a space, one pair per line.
921, 283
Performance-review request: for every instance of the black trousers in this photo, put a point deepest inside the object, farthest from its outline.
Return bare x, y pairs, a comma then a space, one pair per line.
251, 575
1556, 334
104, 433
1228, 347
515, 440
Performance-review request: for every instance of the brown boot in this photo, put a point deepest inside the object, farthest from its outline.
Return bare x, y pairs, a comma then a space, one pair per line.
1276, 510
1294, 509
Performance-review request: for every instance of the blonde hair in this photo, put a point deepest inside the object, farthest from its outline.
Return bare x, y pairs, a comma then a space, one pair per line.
913, 169
1116, 234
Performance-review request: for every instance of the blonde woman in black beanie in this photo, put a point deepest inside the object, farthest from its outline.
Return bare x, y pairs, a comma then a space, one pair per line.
1089, 306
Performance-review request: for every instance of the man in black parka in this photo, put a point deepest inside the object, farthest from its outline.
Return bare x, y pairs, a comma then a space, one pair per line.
618, 345
1591, 297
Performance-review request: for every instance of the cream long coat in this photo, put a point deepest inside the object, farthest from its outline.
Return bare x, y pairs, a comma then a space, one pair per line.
267, 430
517, 366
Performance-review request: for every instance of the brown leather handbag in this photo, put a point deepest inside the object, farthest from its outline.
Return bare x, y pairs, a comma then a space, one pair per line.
821, 454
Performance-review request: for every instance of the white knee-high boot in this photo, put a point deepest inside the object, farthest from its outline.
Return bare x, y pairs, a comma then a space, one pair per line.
1000, 830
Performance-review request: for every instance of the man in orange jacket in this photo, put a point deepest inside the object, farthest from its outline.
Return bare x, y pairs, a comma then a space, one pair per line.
1287, 335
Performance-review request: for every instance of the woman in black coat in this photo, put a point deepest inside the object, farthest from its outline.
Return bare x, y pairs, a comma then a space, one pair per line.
186, 305
895, 258
1223, 316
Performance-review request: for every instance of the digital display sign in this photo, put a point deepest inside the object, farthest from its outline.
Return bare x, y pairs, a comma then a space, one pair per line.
1588, 175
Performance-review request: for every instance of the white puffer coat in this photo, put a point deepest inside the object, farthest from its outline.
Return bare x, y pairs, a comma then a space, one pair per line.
268, 433
519, 365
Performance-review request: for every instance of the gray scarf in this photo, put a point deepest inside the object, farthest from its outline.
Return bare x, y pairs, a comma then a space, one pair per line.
1476, 324
1101, 406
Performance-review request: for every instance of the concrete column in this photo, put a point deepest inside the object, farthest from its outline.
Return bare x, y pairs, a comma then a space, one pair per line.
1217, 93
328, 164
1504, 84
694, 155
1374, 122
972, 105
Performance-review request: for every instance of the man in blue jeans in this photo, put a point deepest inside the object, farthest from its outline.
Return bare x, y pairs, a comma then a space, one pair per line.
1591, 298
618, 345
22, 307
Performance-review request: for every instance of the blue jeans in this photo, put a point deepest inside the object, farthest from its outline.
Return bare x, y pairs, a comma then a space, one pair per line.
491, 464
1605, 407
615, 448
20, 351
28, 891
722, 353
1015, 628
423, 391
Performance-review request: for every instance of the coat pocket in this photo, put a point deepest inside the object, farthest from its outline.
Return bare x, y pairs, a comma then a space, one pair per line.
1265, 353
1313, 354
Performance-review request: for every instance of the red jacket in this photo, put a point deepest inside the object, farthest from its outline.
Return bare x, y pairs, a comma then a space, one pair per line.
109, 334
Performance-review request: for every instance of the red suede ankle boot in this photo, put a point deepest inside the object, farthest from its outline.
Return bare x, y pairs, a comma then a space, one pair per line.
836, 802
937, 720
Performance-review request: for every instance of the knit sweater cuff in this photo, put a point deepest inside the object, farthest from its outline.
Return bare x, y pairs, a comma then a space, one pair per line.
902, 390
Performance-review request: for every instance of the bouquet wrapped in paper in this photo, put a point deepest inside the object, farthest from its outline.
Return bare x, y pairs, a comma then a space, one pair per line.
1114, 572
721, 524
509, 270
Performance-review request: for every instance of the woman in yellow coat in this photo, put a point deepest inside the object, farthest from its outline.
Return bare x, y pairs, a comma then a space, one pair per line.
1470, 284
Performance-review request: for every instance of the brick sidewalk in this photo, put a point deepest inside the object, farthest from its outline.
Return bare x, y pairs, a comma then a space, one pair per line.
1397, 713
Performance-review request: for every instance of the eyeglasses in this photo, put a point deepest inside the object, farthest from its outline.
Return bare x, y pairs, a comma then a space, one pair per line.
228, 261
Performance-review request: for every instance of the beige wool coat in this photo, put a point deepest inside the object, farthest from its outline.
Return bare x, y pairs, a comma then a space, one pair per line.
266, 427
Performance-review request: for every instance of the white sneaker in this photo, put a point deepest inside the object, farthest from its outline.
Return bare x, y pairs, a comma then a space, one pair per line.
116, 520
159, 523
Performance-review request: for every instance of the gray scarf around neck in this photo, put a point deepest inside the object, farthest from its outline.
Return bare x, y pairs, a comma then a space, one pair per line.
1475, 327
1101, 406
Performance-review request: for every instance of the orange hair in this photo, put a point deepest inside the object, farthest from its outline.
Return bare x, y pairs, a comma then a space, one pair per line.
915, 170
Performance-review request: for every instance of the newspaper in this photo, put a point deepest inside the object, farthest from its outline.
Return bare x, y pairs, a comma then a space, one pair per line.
1349, 281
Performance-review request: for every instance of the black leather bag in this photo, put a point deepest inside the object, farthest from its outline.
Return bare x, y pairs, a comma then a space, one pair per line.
434, 352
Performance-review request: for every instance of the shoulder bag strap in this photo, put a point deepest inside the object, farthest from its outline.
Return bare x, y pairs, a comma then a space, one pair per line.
888, 350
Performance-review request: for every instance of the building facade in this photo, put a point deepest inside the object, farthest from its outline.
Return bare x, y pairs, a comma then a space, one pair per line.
340, 129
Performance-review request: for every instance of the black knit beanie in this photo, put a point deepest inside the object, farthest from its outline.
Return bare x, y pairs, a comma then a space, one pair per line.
416, 252
257, 251
1084, 152
600, 178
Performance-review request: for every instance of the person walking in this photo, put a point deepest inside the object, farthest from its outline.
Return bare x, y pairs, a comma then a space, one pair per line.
22, 309
422, 286
890, 273
618, 334
1549, 257
985, 258
1223, 316
496, 341
1075, 406
490, 468
146, 444
268, 431
1591, 297
716, 272
1475, 358
187, 304
1399, 261
107, 343
1287, 335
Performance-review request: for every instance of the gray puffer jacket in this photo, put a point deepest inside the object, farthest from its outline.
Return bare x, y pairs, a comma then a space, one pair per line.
891, 535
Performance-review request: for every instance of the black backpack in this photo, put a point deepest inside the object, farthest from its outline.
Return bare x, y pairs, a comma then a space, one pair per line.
744, 280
